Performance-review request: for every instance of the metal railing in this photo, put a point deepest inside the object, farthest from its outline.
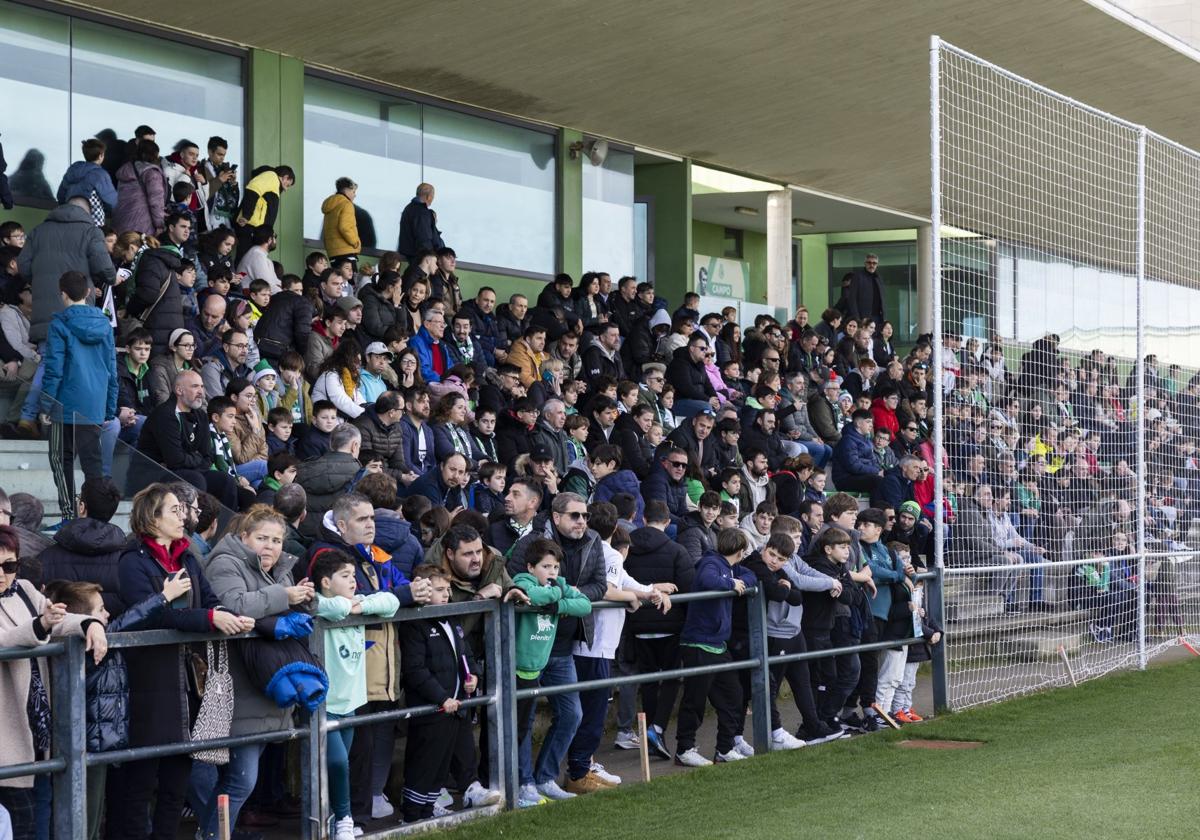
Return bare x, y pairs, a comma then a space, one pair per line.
497, 699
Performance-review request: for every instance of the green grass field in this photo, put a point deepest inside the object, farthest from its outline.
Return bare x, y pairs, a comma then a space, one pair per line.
1117, 757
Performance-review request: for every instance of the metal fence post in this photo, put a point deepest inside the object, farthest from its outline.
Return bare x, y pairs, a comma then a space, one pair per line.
935, 602
760, 676
507, 706
1141, 395
314, 815
69, 741
498, 723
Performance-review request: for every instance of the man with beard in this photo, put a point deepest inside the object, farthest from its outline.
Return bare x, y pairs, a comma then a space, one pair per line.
521, 505
757, 486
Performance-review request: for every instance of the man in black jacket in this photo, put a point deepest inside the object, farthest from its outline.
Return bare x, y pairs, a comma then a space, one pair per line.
655, 558
176, 436
693, 390
863, 298
326, 478
418, 225
602, 358
87, 548
512, 319
633, 320
286, 323
519, 517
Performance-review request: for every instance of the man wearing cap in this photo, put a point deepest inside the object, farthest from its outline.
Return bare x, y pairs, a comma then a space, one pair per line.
376, 375
602, 359
227, 364
353, 308
463, 347
823, 410
514, 432
543, 471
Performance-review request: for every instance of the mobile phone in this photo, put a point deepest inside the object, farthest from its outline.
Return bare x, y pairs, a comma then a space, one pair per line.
182, 601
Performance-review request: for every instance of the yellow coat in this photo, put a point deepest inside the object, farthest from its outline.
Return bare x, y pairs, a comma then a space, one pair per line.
262, 184
340, 232
522, 355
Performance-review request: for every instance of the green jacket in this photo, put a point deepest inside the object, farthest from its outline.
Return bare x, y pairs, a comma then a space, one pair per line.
535, 630
345, 647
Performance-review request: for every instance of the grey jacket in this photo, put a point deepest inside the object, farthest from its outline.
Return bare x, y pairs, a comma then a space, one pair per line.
556, 442
236, 577
588, 576
783, 619
68, 240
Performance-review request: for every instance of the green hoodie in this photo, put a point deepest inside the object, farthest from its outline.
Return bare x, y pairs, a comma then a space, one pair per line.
535, 630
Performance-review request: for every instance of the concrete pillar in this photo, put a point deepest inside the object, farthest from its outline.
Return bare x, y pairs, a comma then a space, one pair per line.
779, 251
924, 280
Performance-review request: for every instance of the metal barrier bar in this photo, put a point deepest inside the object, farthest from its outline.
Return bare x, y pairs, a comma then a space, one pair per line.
32, 768
50, 649
401, 714
808, 656
638, 679
68, 685
183, 747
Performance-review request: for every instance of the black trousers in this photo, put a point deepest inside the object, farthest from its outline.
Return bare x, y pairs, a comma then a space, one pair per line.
658, 699
222, 485
19, 804
66, 441
798, 678
834, 676
363, 760
163, 780
859, 484
868, 680
722, 690
427, 752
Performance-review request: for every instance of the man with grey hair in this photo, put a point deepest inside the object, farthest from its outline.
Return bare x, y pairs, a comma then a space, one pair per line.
897, 485
549, 433
584, 568
331, 475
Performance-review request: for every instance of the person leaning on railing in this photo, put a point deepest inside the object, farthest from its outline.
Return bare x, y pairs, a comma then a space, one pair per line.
163, 696
28, 619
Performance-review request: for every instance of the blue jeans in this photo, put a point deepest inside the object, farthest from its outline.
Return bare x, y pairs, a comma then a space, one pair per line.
236, 779
253, 471
594, 707
820, 452
337, 761
33, 402
565, 716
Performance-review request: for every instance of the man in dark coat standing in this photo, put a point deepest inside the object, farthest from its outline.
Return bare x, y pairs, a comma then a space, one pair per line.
863, 298
418, 225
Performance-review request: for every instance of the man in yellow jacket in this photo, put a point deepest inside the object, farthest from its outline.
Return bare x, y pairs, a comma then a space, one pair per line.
260, 203
340, 229
528, 353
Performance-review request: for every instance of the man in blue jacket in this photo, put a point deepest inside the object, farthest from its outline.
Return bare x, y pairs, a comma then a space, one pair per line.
432, 353
665, 482
81, 380
87, 179
855, 467
418, 225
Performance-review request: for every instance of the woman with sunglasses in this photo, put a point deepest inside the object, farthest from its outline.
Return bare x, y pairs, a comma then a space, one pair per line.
29, 619
163, 695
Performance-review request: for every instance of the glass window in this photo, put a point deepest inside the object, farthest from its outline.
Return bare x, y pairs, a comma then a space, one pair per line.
36, 71
643, 242
70, 79
495, 190
897, 269
494, 182
373, 140
608, 216
120, 80
732, 244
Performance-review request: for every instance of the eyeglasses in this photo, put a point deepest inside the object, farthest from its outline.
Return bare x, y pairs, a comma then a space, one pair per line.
578, 515
911, 429
241, 346
10, 568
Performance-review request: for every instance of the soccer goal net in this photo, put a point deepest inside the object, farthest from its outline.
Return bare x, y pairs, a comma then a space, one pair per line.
1067, 308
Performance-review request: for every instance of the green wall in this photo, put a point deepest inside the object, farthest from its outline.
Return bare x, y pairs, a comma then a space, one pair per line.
709, 239
670, 185
570, 204
275, 136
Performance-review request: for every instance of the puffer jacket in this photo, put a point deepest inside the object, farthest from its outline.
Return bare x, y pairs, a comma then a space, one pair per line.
88, 550
237, 578
689, 378
385, 441
621, 481
324, 479
285, 325
379, 313
394, 535
141, 198
656, 558
658, 485
81, 366
695, 538
158, 266
82, 179
853, 456
339, 231
108, 683
68, 240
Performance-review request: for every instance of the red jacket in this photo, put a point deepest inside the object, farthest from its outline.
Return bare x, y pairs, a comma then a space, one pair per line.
885, 418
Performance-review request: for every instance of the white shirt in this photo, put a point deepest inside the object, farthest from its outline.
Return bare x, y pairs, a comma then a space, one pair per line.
609, 622
256, 265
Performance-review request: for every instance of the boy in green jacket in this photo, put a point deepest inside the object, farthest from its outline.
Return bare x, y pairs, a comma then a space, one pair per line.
553, 597
346, 665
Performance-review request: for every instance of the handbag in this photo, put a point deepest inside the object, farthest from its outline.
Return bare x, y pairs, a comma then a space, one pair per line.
216, 705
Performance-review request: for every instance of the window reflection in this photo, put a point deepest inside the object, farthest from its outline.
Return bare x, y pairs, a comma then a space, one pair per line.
608, 215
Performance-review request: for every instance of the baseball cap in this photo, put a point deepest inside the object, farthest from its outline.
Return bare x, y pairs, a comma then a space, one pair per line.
378, 348
347, 303
541, 453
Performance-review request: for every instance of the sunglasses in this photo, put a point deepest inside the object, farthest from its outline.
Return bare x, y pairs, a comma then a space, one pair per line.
578, 515
10, 568
680, 464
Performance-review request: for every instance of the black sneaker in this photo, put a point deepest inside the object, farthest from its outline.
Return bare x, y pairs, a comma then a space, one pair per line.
820, 732
872, 722
853, 722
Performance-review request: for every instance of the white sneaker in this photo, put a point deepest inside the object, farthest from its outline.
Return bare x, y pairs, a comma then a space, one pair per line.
691, 758
343, 829
528, 797
605, 776
381, 808
476, 795
742, 747
781, 739
444, 799
441, 811
627, 739
551, 790
358, 832
732, 755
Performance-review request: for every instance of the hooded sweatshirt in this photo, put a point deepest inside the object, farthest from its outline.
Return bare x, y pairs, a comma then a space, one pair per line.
81, 366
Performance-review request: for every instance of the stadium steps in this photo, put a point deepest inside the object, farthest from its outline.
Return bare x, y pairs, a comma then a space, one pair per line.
25, 468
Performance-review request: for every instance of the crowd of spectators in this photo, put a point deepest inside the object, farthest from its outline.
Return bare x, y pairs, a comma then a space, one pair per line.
389, 438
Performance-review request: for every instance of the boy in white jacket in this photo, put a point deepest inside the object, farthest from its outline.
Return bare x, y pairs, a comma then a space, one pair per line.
594, 661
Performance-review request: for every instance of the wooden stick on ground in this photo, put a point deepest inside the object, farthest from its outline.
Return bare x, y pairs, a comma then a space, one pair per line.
1062, 651
643, 747
223, 826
